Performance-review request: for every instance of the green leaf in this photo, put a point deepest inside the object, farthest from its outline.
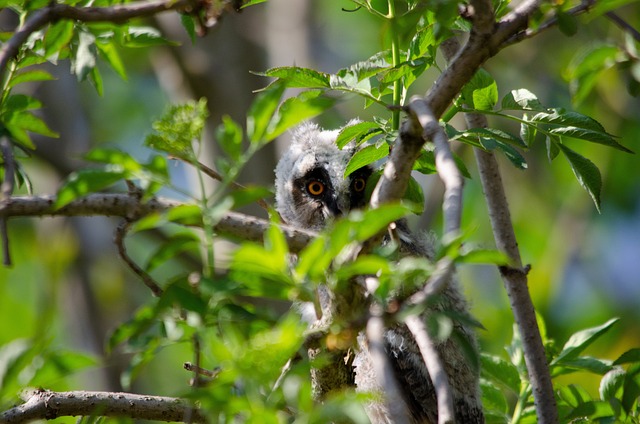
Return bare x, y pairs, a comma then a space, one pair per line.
295, 77
583, 363
586, 172
177, 244
294, 110
145, 37
110, 54
522, 99
85, 57
567, 23
189, 25
589, 135
509, 151
579, 341
229, 136
611, 383
368, 68
86, 181
358, 132
422, 44
372, 221
481, 92
177, 130
262, 110
500, 371
492, 398
58, 36
20, 102
591, 410
528, 132
484, 256
366, 156
96, 79
30, 75
631, 355
415, 196
497, 135
19, 122
114, 157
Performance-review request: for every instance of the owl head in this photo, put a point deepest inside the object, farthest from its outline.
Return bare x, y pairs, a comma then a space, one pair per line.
310, 186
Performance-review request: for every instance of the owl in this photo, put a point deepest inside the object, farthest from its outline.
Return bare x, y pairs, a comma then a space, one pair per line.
311, 191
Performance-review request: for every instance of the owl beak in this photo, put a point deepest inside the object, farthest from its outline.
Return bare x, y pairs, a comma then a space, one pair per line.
332, 208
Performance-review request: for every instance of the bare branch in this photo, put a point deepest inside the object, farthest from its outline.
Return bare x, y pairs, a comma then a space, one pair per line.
435, 367
382, 367
624, 25
44, 404
447, 169
233, 224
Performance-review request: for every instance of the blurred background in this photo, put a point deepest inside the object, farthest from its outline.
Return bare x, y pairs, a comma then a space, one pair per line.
68, 286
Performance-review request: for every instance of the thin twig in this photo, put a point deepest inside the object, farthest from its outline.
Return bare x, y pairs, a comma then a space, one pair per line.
120, 233
202, 371
624, 25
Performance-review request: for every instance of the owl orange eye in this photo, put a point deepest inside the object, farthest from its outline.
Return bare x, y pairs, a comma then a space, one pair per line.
359, 184
315, 188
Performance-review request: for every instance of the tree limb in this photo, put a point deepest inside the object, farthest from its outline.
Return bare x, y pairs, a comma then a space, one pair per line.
233, 224
118, 13
45, 404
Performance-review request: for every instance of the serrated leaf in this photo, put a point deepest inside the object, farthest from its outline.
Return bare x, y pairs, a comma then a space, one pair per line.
404, 69
590, 135
86, 181
481, 92
177, 130
58, 36
500, 371
521, 99
262, 110
295, 77
229, 136
358, 132
29, 76
586, 172
423, 43
296, 109
366, 156
579, 341
367, 68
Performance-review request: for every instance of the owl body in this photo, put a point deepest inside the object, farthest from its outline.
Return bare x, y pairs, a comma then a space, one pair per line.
310, 192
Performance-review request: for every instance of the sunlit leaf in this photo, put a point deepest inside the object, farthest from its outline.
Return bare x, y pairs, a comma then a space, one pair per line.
294, 110
366, 156
58, 36
358, 132
481, 92
611, 382
145, 37
509, 151
85, 57
522, 99
110, 54
295, 77
229, 136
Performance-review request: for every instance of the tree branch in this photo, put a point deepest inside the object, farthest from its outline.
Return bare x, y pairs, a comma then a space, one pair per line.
6, 191
117, 13
233, 224
118, 238
44, 404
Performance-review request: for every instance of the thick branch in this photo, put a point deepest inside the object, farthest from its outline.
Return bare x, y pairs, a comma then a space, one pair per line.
44, 404
233, 224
